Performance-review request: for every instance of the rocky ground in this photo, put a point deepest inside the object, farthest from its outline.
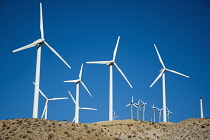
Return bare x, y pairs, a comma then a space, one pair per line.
40, 129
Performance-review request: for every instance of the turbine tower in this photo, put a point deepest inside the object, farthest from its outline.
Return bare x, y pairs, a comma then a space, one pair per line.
143, 109
137, 105
162, 73
75, 102
38, 43
45, 110
168, 114
201, 107
159, 114
153, 111
110, 64
131, 104
78, 81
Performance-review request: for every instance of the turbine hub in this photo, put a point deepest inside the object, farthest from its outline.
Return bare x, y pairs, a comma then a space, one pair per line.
163, 69
110, 63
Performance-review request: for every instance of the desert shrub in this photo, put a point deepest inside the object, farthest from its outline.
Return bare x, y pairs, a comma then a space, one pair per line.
88, 131
202, 126
51, 136
129, 136
29, 131
66, 132
69, 135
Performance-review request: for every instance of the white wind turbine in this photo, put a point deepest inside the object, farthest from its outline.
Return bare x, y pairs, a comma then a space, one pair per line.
201, 107
162, 73
115, 116
153, 111
44, 114
143, 109
78, 81
75, 102
168, 114
159, 114
38, 43
137, 109
131, 104
110, 64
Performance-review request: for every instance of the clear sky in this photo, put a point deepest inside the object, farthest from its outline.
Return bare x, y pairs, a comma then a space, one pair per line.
82, 31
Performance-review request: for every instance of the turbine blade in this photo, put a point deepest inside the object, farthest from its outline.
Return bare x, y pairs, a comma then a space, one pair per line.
161, 61
80, 74
127, 105
139, 102
115, 50
58, 98
42, 93
86, 88
73, 120
178, 73
44, 110
123, 74
87, 108
98, 62
72, 81
72, 97
157, 78
132, 99
41, 22
25, 47
57, 54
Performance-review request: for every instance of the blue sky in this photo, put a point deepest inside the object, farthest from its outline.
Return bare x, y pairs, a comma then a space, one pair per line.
82, 31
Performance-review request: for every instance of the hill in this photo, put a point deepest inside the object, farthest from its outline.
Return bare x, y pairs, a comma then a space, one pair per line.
31, 129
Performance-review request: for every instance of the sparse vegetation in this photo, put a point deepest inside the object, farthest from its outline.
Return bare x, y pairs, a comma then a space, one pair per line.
107, 130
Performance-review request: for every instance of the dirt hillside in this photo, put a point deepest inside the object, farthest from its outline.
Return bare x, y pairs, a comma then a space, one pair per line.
40, 129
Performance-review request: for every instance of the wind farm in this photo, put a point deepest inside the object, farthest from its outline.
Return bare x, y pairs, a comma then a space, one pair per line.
123, 34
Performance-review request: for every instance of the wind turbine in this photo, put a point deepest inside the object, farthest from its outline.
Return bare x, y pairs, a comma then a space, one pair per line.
131, 104
110, 64
137, 109
159, 114
201, 107
78, 81
38, 43
162, 73
115, 116
143, 109
75, 102
153, 112
44, 114
168, 114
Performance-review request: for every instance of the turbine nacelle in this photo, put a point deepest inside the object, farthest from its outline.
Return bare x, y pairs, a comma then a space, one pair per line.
110, 63
39, 42
162, 70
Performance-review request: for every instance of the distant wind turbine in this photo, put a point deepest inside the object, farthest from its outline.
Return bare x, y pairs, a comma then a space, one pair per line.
168, 114
137, 109
44, 114
115, 116
201, 107
159, 114
78, 81
131, 104
38, 43
162, 73
110, 64
143, 109
75, 102
153, 112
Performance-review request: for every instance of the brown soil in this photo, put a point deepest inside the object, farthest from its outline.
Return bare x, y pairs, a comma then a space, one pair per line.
40, 129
